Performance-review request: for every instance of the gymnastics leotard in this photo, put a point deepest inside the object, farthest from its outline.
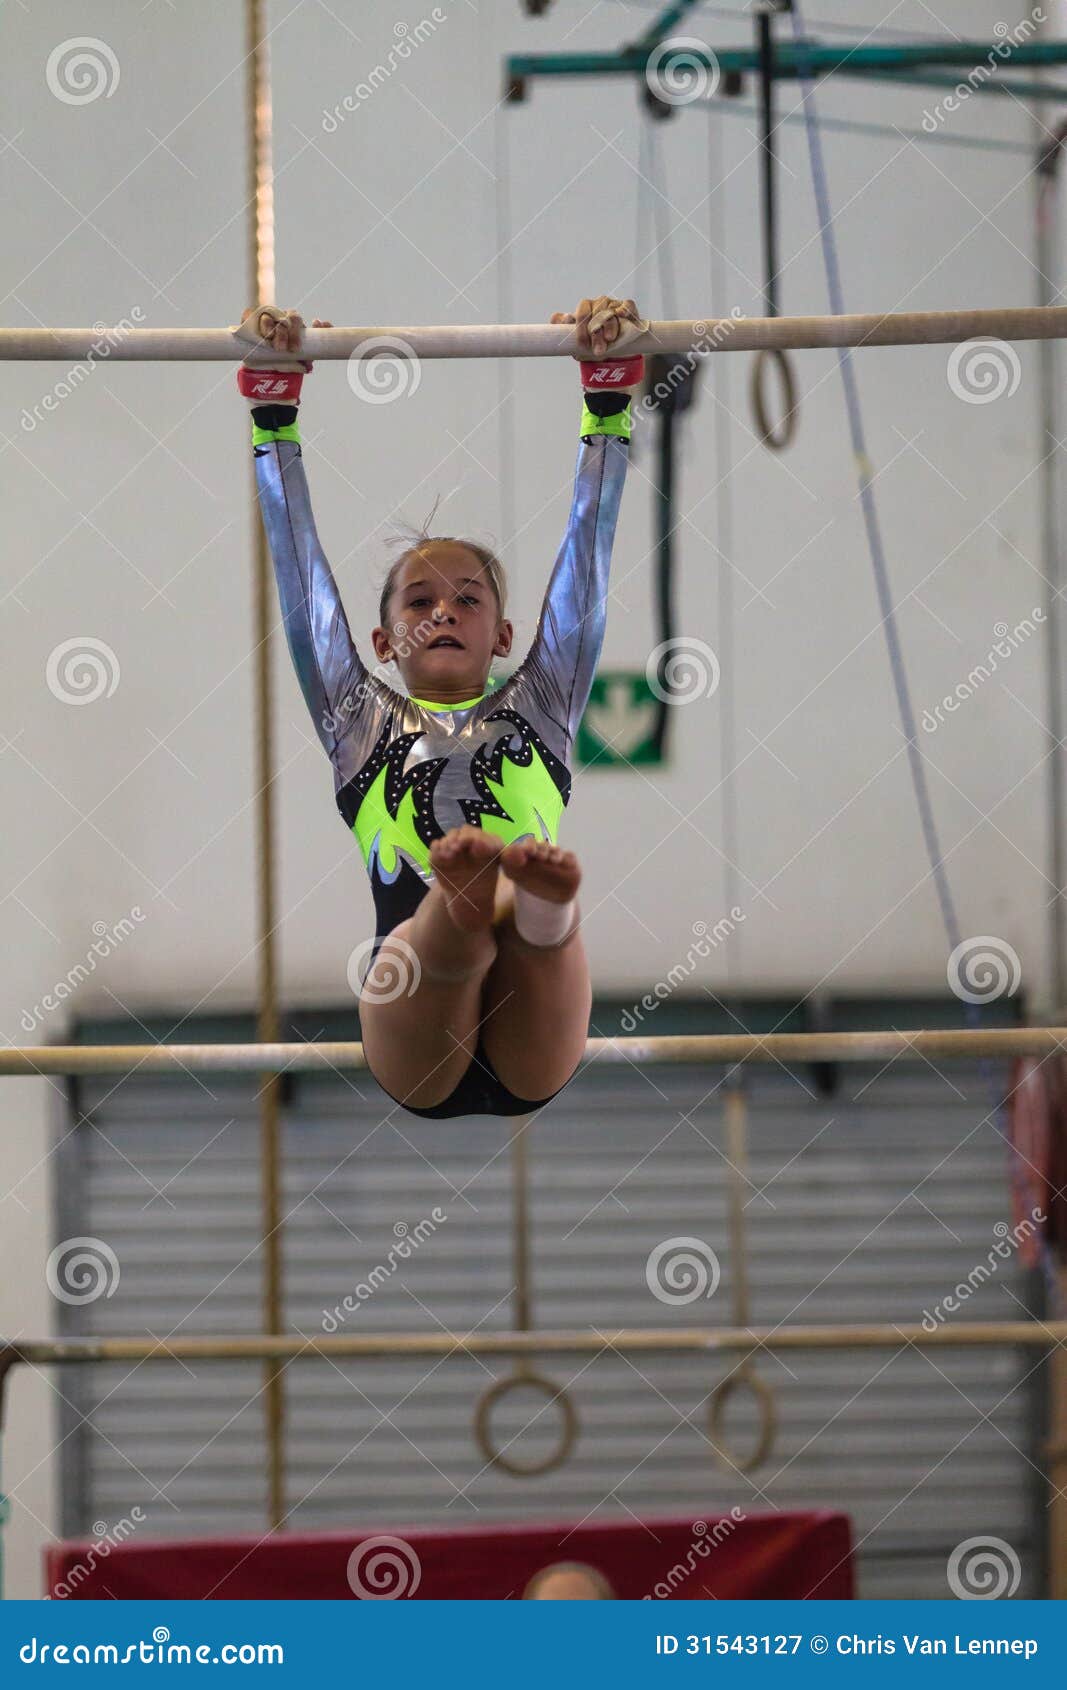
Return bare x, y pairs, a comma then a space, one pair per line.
407, 770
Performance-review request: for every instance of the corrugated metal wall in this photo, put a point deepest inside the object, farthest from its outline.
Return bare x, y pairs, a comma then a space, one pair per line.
869, 1207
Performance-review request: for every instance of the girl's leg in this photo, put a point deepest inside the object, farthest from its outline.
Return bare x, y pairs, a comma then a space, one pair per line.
421, 1006
537, 997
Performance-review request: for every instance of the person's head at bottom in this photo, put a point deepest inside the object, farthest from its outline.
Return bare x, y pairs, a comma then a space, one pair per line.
568, 1581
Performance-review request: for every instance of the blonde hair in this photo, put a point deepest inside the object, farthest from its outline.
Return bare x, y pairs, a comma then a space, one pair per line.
415, 540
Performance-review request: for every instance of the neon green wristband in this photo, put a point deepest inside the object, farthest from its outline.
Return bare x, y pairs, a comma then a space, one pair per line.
263, 436
620, 425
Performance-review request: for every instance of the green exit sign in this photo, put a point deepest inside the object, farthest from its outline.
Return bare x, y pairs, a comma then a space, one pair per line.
619, 724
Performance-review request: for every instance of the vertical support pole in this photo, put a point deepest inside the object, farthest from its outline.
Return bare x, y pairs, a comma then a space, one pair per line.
768, 173
261, 284
736, 1109
1056, 1456
1048, 263
8, 1358
520, 1229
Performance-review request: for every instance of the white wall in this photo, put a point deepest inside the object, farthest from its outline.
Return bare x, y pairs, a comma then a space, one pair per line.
127, 521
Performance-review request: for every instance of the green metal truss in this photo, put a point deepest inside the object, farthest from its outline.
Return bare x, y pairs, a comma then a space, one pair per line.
919, 62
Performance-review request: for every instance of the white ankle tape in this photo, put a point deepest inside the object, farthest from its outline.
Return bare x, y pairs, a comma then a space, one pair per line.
540, 922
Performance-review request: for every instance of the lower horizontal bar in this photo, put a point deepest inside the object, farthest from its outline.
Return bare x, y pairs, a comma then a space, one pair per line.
375, 1345
546, 340
729, 1048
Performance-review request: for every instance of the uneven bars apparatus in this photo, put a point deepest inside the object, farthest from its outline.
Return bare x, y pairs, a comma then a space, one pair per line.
699, 338
545, 340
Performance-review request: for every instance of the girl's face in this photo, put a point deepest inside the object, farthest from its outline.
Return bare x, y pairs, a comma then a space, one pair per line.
445, 626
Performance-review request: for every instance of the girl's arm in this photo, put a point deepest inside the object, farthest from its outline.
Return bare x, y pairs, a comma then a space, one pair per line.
331, 673
570, 632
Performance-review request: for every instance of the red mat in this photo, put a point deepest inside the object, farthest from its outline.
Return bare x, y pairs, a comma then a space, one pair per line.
757, 1556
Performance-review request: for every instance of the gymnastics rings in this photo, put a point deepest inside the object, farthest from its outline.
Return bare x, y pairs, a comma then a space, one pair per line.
483, 1431
744, 1377
775, 437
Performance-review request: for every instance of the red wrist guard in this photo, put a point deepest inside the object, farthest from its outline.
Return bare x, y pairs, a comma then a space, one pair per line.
606, 373
270, 387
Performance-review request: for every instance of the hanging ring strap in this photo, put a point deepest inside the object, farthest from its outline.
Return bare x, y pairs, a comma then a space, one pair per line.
524, 1375
776, 437
744, 1376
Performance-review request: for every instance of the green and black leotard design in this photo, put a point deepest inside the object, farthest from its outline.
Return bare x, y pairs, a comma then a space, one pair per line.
408, 769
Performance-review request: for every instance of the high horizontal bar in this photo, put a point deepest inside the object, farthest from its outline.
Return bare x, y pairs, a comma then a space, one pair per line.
375, 1345
699, 337
729, 1048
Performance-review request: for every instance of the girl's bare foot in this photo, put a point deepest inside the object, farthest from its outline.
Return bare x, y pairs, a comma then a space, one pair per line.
542, 869
464, 862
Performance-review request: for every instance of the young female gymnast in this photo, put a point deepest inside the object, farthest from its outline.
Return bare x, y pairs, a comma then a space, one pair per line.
477, 997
